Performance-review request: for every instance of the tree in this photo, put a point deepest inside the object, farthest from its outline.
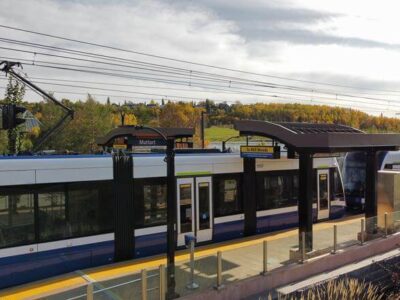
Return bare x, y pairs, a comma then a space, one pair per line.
92, 120
14, 94
123, 115
181, 115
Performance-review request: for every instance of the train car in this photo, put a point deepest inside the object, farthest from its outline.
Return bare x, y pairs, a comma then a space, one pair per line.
354, 174
56, 212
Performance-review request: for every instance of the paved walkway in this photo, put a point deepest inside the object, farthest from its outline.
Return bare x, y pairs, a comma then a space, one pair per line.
242, 258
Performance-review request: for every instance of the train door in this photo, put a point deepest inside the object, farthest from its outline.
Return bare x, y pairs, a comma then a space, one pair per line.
323, 194
194, 215
203, 209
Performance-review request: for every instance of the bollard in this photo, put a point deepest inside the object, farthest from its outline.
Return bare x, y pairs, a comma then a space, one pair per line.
386, 224
334, 239
265, 259
161, 287
89, 291
219, 284
362, 231
303, 247
144, 284
192, 285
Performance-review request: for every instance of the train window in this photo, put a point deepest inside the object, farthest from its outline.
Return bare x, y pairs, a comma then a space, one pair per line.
314, 186
295, 188
155, 204
52, 218
16, 219
89, 208
276, 192
74, 210
336, 184
204, 205
227, 200
185, 207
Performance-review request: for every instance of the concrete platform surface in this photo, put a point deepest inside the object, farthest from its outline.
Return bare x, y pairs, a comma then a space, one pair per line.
241, 259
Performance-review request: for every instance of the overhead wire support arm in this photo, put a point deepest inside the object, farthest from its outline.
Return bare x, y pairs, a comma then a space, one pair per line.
69, 113
8, 70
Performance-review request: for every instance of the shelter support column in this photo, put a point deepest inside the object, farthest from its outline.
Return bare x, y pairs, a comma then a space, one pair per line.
371, 205
249, 196
305, 199
124, 241
171, 219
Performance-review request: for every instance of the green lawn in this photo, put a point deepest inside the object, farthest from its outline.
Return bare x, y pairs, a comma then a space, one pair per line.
214, 134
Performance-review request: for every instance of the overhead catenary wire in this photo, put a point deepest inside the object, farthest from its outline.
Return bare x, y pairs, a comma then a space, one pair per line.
171, 98
174, 59
244, 82
155, 94
274, 96
302, 100
189, 74
385, 101
112, 58
214, 88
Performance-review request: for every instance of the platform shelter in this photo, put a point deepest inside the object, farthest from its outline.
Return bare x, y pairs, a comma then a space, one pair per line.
306, 141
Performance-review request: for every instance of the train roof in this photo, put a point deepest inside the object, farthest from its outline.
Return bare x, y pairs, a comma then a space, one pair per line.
108, 155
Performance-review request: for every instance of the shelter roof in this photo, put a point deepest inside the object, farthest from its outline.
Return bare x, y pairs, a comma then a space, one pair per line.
144, 133
319, 138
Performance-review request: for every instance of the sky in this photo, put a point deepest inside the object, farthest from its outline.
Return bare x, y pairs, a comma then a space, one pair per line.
351, 45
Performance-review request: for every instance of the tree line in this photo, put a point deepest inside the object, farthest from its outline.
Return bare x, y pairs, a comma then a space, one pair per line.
94, 119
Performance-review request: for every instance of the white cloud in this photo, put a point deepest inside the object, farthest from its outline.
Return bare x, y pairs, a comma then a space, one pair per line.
217, 33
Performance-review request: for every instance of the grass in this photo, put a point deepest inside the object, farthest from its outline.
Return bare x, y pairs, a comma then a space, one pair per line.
215, 134
341, 289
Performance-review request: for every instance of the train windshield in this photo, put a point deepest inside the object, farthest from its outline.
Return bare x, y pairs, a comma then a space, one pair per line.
354, 174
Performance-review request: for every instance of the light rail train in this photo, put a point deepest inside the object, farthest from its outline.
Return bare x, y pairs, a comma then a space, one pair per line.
56, 212
354, 175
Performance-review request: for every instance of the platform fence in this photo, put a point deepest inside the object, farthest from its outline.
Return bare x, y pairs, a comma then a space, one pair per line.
230, 264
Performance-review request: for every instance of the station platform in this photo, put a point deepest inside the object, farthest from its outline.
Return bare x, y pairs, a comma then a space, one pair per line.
241, 258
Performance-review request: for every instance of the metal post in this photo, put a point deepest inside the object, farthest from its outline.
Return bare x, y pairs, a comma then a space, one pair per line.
265, 258
219, 284
334, 239
89, 291
171, 219
386, 224
161, 288
144, 284
362, 231
202, 129
371, 204
192, 285
303, 247
305, 206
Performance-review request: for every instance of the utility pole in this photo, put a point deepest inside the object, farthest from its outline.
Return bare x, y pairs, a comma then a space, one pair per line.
171, 219
202, 129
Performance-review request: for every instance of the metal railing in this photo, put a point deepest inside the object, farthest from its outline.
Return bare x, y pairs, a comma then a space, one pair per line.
91, 292
216, 270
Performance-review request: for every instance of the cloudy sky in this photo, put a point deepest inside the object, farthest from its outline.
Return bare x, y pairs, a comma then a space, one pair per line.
352, 46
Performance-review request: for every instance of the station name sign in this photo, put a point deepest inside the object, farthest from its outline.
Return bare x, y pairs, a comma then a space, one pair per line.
146, 141
270, 152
